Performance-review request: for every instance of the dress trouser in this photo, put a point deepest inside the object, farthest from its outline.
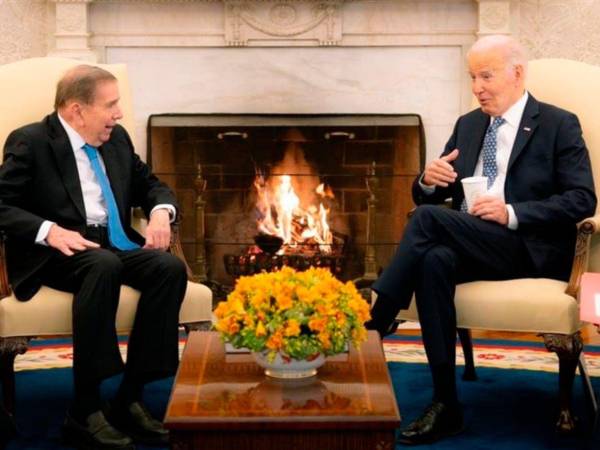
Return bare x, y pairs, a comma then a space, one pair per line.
441, 248
94, 277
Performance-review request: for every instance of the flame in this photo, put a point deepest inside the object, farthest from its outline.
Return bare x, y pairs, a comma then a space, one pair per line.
280, 214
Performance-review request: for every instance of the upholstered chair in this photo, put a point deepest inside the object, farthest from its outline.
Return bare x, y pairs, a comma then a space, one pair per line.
547, 307
27, 90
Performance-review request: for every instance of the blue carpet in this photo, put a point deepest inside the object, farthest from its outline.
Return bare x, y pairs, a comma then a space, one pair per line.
505, 409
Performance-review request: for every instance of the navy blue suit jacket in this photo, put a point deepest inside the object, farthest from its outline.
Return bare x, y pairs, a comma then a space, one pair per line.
549, 180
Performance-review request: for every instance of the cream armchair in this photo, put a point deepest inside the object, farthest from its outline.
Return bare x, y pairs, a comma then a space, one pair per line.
544, 306
27, 90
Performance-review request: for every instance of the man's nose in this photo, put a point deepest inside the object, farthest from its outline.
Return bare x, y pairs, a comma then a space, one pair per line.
476, 86
118, 114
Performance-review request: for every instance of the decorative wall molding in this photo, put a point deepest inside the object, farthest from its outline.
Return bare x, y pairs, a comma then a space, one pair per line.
277, 20
494, 17
71, 30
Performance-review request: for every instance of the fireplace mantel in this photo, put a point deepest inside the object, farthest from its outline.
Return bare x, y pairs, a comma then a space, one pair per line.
341, 47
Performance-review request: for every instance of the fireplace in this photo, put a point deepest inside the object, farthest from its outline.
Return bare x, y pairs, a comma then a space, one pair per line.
258, 191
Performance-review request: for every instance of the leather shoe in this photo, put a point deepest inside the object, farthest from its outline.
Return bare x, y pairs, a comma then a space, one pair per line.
136, 421
437, 421
96, 434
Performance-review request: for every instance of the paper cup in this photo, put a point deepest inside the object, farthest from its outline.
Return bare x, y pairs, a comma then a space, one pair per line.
473, 188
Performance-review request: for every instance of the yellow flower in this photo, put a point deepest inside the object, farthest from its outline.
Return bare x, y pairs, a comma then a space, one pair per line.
261, 330
299, 314
221, 310
292, 328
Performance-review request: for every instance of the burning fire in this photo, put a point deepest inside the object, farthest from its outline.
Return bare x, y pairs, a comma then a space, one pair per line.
280, 213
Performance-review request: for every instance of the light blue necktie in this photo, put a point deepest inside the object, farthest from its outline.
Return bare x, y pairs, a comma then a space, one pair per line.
488, 155
116, 234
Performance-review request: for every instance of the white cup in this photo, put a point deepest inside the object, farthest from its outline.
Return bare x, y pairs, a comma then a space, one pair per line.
473, 188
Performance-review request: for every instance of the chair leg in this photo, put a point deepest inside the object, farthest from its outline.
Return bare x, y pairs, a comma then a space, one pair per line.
568, 348
464, 334
9, 349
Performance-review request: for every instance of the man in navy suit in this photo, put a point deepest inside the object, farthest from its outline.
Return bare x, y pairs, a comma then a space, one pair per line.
539, 186
67, 186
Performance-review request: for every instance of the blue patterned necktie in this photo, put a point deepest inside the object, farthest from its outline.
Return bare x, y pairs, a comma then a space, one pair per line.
116, 234
488, 155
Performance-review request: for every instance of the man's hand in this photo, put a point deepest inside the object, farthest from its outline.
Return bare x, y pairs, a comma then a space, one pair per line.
440, 172
490, 208
68, 241
158, 231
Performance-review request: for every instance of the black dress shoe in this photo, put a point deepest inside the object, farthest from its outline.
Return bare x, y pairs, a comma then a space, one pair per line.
136, 421
96, 434
436, 422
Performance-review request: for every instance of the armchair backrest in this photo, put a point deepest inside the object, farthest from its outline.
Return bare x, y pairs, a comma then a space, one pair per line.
574, 86
27, 90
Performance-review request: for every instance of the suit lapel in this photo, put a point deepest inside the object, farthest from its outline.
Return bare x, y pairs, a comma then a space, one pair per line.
65, 161
472, 154
528, 125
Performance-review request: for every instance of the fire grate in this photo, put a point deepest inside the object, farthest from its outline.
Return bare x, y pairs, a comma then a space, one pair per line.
249, 264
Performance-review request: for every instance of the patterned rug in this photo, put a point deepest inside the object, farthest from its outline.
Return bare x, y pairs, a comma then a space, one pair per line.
498, 354
53, 354
508, 408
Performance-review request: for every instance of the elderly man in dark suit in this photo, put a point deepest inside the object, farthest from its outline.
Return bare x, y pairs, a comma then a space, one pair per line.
67, 186
539, 186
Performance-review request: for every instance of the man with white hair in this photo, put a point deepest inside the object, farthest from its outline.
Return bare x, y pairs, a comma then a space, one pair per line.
539, 186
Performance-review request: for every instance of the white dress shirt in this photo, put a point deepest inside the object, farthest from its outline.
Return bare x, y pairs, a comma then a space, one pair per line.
506, 135
93, 200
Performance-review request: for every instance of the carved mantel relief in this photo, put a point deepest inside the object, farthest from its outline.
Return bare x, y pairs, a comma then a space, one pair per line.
549, 28
494, 17
282, 21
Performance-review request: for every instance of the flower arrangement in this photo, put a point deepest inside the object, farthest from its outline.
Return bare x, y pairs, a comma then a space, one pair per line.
298, 314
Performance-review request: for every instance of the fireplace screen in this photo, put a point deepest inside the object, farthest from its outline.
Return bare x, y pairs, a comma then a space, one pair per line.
260, 191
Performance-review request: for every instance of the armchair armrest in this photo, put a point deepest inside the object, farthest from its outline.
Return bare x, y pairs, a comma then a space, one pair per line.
585, 230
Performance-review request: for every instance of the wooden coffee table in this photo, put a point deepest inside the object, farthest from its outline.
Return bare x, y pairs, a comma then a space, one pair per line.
226, 402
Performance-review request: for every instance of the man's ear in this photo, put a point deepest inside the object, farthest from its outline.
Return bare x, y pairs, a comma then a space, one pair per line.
72, 112
519, 73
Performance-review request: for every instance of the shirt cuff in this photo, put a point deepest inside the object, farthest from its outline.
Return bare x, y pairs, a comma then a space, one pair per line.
513, 222
427, 190
42, 234
170, 208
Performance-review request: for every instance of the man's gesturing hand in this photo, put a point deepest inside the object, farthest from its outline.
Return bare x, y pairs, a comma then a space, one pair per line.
440, 172
68, 241
158, 231
490, 208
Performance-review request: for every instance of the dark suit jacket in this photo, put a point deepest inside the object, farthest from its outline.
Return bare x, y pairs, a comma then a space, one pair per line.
39, 181
548, 182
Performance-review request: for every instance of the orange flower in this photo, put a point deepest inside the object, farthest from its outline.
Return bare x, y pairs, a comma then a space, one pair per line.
325, 340
314, 313
275, 342
317, 324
